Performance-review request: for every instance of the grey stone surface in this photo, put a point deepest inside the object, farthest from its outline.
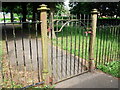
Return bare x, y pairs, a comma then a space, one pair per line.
90, 80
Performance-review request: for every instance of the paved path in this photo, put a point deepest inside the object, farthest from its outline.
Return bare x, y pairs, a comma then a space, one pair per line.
63, 66
90, 80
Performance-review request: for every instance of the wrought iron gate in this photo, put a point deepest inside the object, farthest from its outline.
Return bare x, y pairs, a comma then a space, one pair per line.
70, 47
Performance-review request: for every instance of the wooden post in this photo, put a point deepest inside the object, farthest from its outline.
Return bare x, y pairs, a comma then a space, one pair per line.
92, 40
43, 18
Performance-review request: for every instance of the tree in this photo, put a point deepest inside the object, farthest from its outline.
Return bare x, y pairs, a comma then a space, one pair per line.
59, 9
105, 8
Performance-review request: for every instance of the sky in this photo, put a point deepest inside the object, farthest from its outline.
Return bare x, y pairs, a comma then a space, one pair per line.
67, 4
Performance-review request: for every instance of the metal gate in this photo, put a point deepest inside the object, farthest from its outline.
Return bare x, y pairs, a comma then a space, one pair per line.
70, 47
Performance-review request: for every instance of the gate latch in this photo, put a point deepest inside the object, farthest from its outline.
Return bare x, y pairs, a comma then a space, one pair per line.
87, 32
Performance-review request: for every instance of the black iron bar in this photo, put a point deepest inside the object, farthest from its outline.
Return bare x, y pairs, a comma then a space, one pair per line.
109, 45
106, 49
113, 45
21, 22
39, 83
51, 50
71, 49
79, 49
100, 43
14, 36
82, 48
112, 40
38, 63
66, 47
56, 53
62, 53
86, 40
6, 42
30, 48
97, 45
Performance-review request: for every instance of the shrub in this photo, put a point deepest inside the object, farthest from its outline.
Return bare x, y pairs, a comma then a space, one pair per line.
111, 68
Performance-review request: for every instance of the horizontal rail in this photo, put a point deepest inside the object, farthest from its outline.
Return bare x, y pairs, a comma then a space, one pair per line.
21, 22
39, 83
69, 19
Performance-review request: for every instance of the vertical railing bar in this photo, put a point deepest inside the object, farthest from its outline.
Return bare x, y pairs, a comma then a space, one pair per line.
106, 48
14, 36
109, 47
66, 47
15, 46
75, 45
101, 43
82, 47
56, 54
87, 21
97, 50
116, 42
23, 50
108, 43
104, 43
70, 49
103, 37
112, 45
23, 45
111, 41
30, 48
62, 54
111, 56
51, 50
37, 51
79, 46
6, 41
98, 55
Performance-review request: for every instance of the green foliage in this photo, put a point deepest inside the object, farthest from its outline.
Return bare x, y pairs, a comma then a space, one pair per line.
111, 68
105, 8
107, 18
60, 8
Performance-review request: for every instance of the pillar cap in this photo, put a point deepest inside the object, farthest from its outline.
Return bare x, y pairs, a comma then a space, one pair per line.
94, 11
43, 7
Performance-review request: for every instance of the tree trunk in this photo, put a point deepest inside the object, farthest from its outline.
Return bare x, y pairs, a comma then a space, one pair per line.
11, 14
24, 13
33, 17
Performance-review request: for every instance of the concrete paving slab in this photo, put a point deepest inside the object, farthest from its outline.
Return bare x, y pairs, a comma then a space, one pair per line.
90, 80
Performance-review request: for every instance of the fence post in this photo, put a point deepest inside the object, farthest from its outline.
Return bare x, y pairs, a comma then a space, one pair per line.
43, 18
92, 40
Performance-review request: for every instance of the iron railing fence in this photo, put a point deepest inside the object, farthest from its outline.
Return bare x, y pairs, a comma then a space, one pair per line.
107, 41
22, 62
